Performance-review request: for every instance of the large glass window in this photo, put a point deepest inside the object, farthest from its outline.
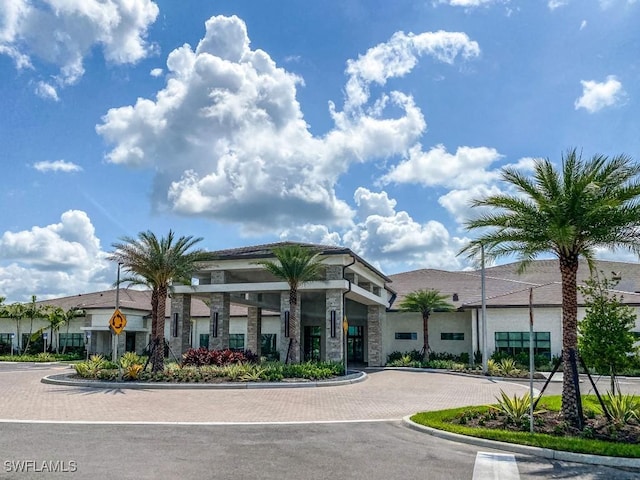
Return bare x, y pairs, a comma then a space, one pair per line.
236, 341
5, 338
514, 343
71, 339
204, 340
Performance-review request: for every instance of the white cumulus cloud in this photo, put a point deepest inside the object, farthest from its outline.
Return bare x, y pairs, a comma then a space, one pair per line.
228, 140
59, 259
390, 239
599, 95
57, 166
64, 32
466, 167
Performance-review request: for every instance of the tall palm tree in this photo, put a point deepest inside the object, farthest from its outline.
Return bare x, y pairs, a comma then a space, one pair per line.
296, 265
569, 212
67, 316
157, 263
32, 311
425, 302
17, 312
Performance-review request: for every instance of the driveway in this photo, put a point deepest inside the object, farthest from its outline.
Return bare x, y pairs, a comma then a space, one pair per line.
385, 395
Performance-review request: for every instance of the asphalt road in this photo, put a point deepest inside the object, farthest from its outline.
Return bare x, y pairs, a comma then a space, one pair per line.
361, 450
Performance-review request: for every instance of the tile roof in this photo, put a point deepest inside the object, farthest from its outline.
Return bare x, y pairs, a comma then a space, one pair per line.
132, 299
506, 287
265, 250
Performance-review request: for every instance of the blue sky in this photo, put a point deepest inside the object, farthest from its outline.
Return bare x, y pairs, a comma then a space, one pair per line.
369, 124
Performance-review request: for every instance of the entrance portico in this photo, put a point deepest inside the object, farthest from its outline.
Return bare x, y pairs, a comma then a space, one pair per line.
349, 290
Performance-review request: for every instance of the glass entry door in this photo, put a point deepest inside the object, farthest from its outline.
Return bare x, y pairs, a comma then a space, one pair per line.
355, 344
312, 342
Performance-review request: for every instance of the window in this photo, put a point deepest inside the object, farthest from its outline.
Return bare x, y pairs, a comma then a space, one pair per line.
5, 338
204, 340
236, 341
72, 339
452, 336
406, 336
268, 346
514, 343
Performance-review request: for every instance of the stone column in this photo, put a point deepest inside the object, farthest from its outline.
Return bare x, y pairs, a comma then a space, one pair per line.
295, 353
220, 306
181, 306
334, 346
374, 334
254, 326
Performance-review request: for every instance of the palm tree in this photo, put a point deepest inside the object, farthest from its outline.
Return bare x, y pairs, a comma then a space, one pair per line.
296, 265
55, 317
32, 310
569, 212
67, 316
157, 263
425, 302
17, 312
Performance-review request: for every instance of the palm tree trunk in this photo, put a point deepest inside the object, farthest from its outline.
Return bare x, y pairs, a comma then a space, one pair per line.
294, 326
26, 347
158, 354
570, 389
66, 337
425, 330
18, 334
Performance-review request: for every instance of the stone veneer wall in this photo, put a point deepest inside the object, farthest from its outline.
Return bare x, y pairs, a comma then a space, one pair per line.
374, 334
180, 304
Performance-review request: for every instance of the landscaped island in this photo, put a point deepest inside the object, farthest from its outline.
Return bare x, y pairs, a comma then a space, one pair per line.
206, 366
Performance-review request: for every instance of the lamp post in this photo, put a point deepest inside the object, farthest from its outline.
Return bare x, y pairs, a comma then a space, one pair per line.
483, 293
114, 337
12, 337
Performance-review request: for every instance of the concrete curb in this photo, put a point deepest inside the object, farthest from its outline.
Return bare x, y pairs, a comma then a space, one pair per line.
526, 449
64, 379
461, 374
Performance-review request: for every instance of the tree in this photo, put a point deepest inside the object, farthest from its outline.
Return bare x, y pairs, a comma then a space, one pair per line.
157, 264
32, 311
16, 312
606, 339
55, 317
67, 316
568, 212
296, 265
425, 302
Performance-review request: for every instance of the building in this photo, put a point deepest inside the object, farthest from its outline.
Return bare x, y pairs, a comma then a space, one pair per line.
236, 303
507, 307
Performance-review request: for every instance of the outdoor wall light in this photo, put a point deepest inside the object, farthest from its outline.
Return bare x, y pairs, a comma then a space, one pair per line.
286, 323
214, 325
333, 324
174, 325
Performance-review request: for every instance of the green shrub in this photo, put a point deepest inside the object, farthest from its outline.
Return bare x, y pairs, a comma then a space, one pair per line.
516, 409
622, 408
131, 358
507, 367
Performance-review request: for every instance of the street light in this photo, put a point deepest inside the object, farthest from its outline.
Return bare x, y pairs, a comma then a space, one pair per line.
114, 337
12, 337
483, 293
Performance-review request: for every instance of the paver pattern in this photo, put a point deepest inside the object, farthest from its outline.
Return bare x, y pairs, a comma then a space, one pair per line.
384, 395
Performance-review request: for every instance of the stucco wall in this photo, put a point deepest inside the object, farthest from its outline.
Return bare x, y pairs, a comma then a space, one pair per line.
439, 322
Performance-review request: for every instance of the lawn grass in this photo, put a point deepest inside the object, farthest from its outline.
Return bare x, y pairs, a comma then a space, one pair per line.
443, 420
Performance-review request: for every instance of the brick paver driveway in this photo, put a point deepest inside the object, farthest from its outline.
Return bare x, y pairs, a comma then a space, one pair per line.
384, 395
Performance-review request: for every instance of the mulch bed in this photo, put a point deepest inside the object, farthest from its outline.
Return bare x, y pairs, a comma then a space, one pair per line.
551, 423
